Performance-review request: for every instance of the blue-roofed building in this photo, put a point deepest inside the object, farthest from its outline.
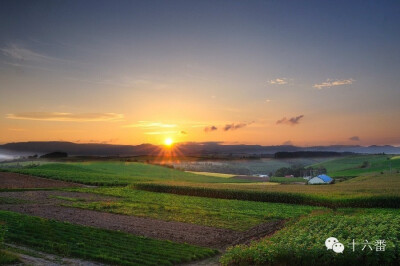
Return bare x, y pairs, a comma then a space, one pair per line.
321, 179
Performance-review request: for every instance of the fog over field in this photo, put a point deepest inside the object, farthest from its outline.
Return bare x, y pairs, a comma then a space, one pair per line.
6, 155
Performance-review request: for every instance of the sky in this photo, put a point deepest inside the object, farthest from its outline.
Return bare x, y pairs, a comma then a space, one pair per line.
251, 72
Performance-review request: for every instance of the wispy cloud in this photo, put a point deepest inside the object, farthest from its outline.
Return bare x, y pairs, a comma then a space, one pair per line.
290, 121
355, 138
228, 127
210, 128
331, 83
278, 81
151, 124
20, 53
67, 117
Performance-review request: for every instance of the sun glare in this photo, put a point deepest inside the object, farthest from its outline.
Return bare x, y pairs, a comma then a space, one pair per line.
168, 142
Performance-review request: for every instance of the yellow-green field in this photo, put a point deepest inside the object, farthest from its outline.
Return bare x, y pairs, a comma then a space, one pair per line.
212, 174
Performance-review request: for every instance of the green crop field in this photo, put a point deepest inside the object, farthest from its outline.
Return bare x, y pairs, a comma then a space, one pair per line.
312, 213
96, 244
359, 164
114, 173
371, 190
303, 243
230, 214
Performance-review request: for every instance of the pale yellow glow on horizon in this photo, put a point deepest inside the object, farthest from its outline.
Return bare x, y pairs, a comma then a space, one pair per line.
168, 142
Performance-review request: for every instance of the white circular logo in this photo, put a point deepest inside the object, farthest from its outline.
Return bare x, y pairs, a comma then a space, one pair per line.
338, 247
330, 241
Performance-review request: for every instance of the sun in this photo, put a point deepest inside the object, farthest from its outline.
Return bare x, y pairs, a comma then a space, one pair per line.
168, 142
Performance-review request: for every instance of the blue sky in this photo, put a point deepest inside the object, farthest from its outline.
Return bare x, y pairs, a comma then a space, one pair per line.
196, 64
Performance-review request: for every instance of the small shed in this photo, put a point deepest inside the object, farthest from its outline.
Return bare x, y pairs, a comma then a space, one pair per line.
321, 179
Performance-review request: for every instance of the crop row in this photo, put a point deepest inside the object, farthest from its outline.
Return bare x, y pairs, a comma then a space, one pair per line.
376, 235
96, 244
375, 201
230, 214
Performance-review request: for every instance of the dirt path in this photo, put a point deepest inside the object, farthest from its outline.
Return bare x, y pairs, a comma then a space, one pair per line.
44, 204
15, 180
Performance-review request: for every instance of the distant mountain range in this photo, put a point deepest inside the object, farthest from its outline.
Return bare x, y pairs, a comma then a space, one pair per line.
188, 149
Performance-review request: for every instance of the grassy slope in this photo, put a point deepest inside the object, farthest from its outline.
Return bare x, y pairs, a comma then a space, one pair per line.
5, 256
302, 243
115, 173
230, 214
351, 165
90, 243
8, 258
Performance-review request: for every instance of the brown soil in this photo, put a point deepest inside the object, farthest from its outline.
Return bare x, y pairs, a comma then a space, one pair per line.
14, 180
46, 206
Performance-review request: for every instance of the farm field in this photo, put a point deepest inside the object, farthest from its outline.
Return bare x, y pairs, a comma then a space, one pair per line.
221, 213
246, 217
374, 190
356, 165
302, 243
113, 173
95, 244
212, 174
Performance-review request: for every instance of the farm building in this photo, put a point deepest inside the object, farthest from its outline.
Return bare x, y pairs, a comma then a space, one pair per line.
321, 179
